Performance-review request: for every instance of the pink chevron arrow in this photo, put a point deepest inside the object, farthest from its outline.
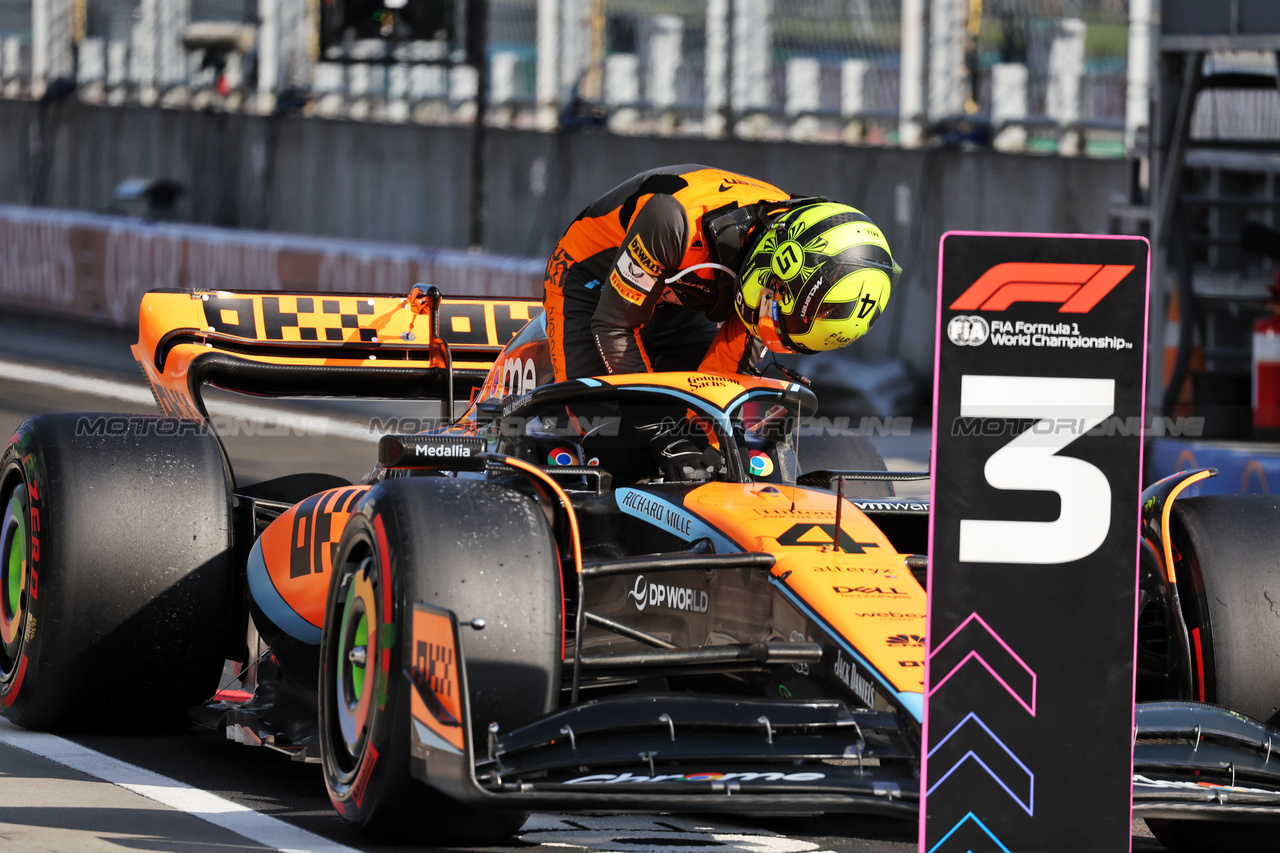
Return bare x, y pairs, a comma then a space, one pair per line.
975, 656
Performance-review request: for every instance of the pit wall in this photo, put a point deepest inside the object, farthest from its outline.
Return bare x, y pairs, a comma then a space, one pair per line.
405, 186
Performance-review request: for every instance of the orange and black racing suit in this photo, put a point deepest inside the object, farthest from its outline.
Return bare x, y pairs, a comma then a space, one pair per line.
612, 298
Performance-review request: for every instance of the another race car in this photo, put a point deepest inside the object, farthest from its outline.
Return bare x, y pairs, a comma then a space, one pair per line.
518, 611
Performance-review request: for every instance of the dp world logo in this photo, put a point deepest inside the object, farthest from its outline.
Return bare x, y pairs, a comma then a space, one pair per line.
669, 597
968, 330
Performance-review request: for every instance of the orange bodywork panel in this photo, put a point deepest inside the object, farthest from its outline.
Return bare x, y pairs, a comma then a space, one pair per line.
297, 551
435, 666
863, 589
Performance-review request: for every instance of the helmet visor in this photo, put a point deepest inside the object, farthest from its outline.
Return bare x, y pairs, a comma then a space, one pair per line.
838, 268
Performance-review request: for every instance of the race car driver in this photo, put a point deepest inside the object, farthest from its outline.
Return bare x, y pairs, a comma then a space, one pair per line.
695, 268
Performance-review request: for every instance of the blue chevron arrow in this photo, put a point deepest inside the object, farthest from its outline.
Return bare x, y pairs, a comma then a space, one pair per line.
969, 847
1028, 805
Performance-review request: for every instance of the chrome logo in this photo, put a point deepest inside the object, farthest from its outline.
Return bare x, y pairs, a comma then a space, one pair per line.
761, 464
562, 456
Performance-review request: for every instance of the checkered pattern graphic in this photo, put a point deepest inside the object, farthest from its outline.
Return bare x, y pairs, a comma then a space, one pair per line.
316, 318
317, 526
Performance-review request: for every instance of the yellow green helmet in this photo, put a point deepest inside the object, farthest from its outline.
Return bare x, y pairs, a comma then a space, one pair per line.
818, 279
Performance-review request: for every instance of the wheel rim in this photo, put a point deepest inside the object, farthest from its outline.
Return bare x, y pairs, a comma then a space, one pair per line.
14, 572
357, 647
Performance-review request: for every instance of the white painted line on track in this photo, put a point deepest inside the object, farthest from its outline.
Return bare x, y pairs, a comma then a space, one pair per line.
257, 827
655, 834
140, 395
80, 383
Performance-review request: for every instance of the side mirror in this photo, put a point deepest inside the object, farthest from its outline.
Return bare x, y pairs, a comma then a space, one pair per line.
488, 411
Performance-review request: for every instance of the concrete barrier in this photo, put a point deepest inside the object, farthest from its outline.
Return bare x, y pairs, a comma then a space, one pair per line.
97, 267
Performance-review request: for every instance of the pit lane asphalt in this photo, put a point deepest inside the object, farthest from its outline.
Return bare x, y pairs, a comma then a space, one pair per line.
46, 806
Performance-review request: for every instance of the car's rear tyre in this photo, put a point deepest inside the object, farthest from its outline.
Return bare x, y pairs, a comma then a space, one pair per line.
852, 452
115, 549
481, 550
1227, 546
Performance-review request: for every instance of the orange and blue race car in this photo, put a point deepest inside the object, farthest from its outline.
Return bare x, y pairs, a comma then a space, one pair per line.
517, 611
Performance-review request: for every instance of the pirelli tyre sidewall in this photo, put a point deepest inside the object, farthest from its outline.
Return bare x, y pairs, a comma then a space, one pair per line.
469, 546
19, 544
114, 571
360, 702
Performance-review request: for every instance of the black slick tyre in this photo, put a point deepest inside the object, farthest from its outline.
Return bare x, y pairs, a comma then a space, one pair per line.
115, 549
481, 550
1227, 546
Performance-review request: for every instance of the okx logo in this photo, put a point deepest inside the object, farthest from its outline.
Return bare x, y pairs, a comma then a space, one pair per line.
1076, 287
913, 641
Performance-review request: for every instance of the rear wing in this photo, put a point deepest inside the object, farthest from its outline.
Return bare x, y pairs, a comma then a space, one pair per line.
319, 344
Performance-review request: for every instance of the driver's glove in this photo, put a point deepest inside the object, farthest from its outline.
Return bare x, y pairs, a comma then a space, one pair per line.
678, 457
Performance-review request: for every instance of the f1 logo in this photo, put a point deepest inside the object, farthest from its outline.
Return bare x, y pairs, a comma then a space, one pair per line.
1077, 287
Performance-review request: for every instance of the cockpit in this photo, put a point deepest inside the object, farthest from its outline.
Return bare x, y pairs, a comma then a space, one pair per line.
588, 432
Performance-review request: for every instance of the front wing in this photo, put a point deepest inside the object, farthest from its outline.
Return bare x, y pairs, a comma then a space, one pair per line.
1202, 762
659, 752
690, 753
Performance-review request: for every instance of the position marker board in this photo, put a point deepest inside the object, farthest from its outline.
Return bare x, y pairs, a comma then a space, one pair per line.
1034, 543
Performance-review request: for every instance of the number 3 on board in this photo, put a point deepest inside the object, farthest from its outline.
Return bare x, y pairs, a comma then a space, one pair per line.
1063, 410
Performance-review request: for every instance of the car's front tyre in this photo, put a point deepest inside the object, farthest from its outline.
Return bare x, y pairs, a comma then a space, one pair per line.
486, 553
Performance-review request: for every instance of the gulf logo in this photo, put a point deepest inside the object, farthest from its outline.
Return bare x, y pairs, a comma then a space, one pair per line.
761, 464
562, 456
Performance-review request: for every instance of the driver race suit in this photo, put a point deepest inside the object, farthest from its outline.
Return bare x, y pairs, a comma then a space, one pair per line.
620, 295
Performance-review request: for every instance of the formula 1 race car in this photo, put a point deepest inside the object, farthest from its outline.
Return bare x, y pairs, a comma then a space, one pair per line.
514, 609
517, 610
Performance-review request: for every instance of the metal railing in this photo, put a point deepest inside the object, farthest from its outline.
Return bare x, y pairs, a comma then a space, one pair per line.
821, 70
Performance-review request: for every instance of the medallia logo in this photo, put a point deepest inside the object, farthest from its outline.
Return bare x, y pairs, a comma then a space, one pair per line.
671, 597
968, 330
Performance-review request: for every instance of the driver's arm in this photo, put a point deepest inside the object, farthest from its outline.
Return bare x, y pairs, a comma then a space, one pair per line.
650, 252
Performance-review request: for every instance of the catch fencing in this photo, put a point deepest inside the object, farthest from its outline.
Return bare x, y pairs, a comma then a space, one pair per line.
1053, 72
